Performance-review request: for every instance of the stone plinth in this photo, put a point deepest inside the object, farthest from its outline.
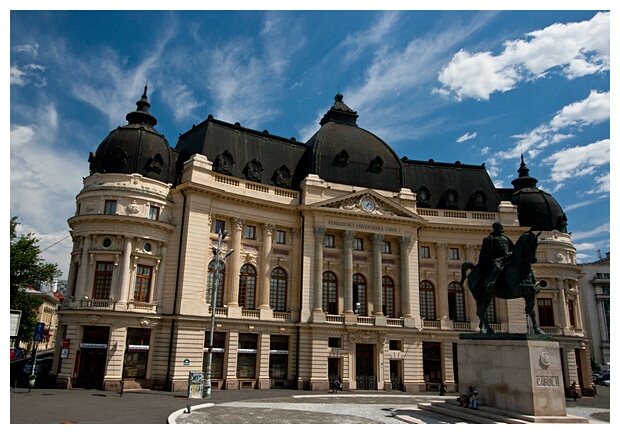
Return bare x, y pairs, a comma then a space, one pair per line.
515, 372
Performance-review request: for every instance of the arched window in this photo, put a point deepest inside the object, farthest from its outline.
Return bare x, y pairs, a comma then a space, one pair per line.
456, 302
330, 293
387, 289
247, 286
490, 313
427, 300
219, 295
359, 294
277, 290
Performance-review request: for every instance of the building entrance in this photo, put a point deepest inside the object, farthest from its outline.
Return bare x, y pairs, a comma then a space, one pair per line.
364, 367
94, 348
396, 374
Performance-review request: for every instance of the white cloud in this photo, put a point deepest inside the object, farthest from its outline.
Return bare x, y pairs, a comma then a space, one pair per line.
599, 230
592, 110
578, 161
578, 48
465, 137
31, 49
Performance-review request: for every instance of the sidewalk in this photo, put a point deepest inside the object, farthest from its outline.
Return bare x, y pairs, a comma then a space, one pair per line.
275, 406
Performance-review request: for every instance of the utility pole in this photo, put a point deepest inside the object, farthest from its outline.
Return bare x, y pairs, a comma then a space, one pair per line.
219, 265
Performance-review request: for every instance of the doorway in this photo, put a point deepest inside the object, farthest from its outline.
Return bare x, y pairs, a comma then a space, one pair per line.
396, 374
92, 364
364, 367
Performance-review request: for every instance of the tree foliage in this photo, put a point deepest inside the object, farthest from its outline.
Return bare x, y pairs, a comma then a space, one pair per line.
27, 269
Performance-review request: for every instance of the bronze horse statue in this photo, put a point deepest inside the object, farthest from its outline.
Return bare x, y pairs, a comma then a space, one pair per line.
515, 280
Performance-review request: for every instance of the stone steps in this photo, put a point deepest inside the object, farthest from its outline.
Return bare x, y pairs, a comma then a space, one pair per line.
491, 415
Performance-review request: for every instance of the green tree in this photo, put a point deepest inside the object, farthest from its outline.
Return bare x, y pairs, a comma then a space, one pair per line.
27, 269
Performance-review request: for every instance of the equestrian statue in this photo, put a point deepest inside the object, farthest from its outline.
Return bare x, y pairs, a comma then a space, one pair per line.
504, 270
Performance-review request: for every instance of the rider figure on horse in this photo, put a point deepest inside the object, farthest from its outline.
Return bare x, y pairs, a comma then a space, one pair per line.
496, 249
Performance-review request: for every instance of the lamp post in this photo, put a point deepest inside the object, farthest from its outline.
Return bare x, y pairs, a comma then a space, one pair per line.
219, 264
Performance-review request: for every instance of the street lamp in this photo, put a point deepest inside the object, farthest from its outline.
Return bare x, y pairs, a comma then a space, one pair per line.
219, 264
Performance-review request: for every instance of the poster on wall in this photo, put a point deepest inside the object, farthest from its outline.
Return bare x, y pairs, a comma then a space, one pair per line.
194, 389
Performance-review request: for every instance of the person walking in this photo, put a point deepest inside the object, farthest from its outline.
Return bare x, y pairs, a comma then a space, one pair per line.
573, 391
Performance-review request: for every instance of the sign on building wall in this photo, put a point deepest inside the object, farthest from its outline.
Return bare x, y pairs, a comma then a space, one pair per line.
16, 316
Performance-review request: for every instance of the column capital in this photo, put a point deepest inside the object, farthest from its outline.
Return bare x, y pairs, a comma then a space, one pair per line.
348, 235
269, 228
238, 223
442, 247
404, 242
377, 238
319, 231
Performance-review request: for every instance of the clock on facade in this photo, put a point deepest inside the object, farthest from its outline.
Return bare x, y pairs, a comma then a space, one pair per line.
368, 204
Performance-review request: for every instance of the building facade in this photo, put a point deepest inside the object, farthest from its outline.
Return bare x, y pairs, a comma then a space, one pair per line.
595, 283
346, 261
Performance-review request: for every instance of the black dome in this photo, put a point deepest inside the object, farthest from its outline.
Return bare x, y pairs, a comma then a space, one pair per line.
344, 153
536, 208
135, 148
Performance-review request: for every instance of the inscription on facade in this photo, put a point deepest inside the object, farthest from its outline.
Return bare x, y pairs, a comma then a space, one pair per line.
544, 381
364, 227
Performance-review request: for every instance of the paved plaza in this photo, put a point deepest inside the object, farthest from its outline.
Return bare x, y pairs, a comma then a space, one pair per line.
276, 406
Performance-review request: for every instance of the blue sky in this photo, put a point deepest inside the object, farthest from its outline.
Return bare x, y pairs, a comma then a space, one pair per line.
474, 86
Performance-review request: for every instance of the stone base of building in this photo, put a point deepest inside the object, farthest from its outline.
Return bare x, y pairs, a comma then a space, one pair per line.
516, 372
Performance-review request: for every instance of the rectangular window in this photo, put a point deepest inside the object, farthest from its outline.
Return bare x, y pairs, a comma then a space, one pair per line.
103, 280
138, 346
387, 247
395, 345
220, 226
334, 342
278, 357
153, 213
217, 354
280, 237
330, 241
454, 253
358, 244
425, 252
545, 312
110, 207
246, 355
143, 283
250, 232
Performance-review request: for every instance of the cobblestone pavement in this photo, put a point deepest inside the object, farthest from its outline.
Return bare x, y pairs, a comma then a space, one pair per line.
83, 406
352, 408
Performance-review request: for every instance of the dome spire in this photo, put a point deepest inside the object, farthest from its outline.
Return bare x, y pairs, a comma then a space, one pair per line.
142, 115
340, 112
524, 180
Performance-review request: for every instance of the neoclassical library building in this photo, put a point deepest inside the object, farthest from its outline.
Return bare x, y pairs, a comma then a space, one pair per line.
342, 259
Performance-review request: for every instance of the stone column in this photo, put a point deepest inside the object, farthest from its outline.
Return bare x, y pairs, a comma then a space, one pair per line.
405, 289
347, 278
319, 239
235, 264
470, 301
562, 307
158, 295
295, 278
124, 295
265, 311
441, 291
82, 269
350, 317
377, 244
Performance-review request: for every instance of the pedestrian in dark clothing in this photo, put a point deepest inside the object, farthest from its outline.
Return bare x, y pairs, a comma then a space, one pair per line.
573, 391
442, 389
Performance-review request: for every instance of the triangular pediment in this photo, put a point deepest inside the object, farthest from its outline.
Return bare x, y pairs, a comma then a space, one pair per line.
366, 202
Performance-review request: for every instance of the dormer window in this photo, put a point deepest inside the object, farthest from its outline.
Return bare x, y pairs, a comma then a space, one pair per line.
223, 163
341, 159
424, 197
376, 165
253, 170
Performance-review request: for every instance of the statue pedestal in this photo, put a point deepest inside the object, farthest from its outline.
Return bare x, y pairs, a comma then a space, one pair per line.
516, 372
